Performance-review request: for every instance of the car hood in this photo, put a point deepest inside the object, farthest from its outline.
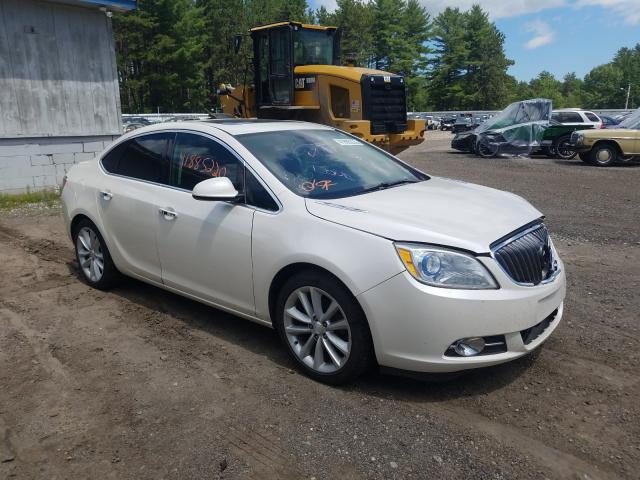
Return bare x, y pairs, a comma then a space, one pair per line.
436, 211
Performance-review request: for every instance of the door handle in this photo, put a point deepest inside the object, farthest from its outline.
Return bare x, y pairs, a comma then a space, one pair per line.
106, 195
168, 213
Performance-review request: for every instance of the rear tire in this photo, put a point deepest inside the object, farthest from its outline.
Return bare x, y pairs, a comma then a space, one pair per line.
603, 155
338, 347
93, 257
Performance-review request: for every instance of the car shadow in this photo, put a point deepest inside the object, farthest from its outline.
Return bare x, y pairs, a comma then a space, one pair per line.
264, 341
576, 162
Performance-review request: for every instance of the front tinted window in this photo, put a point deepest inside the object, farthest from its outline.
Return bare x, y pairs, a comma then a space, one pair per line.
197, 158
144, 158
327, 163
256, 195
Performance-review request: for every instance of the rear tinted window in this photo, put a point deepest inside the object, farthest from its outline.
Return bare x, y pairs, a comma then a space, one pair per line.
111, 159
592, 117
143, 158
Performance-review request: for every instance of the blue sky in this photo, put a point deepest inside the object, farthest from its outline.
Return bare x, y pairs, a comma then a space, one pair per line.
560, 36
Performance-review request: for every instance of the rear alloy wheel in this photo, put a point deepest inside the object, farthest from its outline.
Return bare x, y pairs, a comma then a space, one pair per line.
93, 257
603, 155
323, 328
563, 148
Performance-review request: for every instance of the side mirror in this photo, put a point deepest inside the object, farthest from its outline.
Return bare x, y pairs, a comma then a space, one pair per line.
215, 189
237, 42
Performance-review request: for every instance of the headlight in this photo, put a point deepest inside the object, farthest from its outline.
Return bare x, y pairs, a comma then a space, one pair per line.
440, 267
579, 139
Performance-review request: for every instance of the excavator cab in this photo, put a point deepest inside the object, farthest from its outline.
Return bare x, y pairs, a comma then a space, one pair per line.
279, 48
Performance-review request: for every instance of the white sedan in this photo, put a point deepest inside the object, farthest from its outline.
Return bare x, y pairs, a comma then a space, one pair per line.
353, 256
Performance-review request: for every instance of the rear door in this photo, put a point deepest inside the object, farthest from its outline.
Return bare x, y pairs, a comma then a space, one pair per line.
128, 199
205, 246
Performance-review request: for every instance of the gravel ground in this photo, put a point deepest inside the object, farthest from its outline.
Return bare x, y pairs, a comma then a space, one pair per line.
140, 383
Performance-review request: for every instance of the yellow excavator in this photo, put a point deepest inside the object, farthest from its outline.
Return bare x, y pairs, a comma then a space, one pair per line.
297, 75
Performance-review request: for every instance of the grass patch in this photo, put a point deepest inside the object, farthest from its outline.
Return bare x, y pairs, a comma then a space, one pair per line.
46, 197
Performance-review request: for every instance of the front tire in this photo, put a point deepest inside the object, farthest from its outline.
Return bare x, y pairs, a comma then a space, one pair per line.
585, 157
604, 155
486, 150
563, 148
323, 328
94, 260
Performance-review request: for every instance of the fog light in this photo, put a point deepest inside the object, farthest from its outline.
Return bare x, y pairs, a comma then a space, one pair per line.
468, 347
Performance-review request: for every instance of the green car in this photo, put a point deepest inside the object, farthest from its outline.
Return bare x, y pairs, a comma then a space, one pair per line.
556, 139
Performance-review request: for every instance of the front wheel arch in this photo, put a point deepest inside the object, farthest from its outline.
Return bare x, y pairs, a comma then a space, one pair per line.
612, 143
292, 269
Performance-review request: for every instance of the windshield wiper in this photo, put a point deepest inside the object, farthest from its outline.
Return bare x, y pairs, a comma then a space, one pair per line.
385, 185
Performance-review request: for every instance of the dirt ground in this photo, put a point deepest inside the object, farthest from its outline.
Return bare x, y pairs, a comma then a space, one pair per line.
140, 383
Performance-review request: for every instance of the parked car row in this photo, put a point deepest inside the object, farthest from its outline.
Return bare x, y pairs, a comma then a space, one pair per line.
530, 127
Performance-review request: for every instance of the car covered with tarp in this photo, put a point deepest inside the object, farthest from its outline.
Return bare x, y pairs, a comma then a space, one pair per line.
517, 130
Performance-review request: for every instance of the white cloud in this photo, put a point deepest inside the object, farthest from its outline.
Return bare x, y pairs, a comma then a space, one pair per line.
495, 8
627, 9
542, 34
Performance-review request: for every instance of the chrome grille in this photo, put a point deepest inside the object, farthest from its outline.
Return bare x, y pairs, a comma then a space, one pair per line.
527, 256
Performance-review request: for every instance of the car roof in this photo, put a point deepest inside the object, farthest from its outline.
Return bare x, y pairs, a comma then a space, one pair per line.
235, 126
572, 110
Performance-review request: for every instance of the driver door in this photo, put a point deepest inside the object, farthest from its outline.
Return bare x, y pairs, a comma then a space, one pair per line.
205, 246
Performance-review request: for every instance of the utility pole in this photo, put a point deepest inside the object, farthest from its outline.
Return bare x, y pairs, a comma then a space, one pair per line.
626, 104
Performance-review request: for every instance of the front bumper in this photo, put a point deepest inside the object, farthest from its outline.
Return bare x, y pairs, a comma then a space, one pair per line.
580, 148
413, 324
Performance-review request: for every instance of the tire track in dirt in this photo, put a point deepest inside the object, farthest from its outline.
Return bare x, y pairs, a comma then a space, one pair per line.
270, 461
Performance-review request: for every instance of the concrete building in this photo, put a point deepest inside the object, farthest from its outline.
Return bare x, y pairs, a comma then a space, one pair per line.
59, 95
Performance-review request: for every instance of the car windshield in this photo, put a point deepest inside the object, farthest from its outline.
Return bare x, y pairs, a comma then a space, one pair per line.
632, 121
326, 164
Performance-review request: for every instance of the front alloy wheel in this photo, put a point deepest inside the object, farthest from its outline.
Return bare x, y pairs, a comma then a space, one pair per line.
323, 327
486, 148
317, 329
603, 155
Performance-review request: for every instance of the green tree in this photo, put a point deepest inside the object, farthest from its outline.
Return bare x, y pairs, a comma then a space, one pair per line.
572, 91
603, 87
158, 58
449, 64
355, 18
485, 79
545, 85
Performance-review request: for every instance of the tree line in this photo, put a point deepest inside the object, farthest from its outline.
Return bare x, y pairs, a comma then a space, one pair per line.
172, 54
